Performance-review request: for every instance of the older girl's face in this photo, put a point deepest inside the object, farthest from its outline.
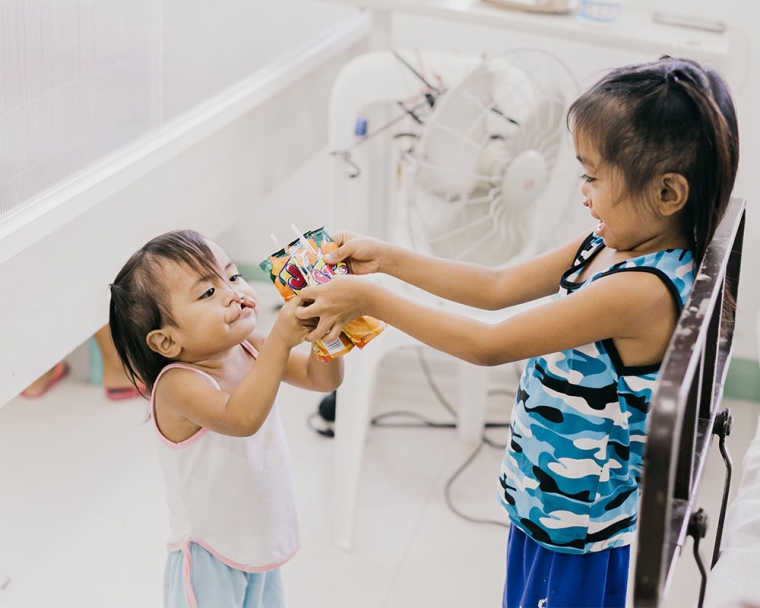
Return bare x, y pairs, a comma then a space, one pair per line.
625, 224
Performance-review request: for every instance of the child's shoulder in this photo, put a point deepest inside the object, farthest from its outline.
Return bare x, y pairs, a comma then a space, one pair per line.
179, 378
176, 388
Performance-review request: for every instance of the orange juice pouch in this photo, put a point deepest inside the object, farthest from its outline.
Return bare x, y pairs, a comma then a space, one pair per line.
309, 258
289, 281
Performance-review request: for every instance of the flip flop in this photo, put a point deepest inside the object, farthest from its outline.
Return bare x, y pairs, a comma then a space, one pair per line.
126, 392
60, 371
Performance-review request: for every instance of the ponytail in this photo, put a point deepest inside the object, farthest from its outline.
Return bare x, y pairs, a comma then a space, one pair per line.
714, 169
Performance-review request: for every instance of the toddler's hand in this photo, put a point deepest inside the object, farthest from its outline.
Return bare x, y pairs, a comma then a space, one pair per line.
288, 328
335, 303
363, 254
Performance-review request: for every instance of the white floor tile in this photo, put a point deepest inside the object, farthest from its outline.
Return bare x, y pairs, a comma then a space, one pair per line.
83, 520
85, 515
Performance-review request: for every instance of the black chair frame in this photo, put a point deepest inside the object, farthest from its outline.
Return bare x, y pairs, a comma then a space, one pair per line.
684, 417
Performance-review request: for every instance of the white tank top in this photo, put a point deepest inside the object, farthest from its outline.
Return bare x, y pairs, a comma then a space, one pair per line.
232, 495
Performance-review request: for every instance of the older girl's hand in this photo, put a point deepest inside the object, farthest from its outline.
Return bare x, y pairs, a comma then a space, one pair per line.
335, 303
363, 254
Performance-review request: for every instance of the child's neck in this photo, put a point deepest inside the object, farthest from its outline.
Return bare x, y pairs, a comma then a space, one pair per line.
217, 361
656, 234
659, 242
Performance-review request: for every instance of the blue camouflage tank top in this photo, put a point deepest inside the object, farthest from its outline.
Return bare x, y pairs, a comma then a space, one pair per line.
570, 474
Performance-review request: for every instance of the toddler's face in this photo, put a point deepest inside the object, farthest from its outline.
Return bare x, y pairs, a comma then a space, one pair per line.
230, 272
210, 313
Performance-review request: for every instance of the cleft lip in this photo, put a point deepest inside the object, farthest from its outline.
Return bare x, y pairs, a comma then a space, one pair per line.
247, 302
237, 313
242, 309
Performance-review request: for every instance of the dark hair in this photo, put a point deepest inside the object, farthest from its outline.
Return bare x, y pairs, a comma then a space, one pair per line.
666, 116
140, 301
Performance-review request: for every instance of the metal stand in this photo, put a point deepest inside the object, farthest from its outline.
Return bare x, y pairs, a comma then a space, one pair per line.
722, 428
697, 530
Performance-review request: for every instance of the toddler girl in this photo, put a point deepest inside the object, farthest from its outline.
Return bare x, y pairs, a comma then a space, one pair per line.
184, 324
658, 143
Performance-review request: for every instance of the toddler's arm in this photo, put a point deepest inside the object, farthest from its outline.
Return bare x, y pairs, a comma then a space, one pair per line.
197, 403
306, 371
303, 369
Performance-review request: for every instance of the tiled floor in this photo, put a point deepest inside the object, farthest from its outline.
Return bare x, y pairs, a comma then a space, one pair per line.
83, 521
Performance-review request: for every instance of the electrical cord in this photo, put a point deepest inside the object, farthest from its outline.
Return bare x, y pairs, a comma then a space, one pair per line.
431, 382
424, 422
493, 444
419, 421
450, 482
485, 439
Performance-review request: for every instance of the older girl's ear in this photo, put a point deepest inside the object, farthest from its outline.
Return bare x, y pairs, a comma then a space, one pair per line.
162, 342
672, 192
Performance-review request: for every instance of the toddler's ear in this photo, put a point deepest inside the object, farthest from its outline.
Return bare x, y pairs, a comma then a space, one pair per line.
672, 193
161, 342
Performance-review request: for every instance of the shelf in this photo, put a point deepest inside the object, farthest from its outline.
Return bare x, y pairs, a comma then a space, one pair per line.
635, 29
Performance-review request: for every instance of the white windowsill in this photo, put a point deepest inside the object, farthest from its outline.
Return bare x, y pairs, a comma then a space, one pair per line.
58, 206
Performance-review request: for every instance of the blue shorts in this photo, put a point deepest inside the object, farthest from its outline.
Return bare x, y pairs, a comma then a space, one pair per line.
538, 577
216, 584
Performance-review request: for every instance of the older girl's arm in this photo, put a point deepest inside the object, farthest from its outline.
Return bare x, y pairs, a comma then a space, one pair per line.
475, 285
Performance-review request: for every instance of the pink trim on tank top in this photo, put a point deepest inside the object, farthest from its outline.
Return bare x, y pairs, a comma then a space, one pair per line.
228, 562
200, 432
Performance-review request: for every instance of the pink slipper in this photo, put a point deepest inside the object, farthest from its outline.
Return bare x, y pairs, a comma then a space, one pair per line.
60, 371
126, 392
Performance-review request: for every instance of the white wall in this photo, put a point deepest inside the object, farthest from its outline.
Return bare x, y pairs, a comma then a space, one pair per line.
209, 46
82, 80
589, 61
54, 291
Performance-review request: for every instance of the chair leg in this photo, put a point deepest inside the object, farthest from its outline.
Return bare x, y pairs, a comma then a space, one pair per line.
352, 413
471, 408
352, 408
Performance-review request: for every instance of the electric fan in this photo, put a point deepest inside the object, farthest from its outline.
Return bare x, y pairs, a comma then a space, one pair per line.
483, 183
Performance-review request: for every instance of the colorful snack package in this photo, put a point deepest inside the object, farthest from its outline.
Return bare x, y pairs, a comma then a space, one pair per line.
289, 281
301, 263
360, 331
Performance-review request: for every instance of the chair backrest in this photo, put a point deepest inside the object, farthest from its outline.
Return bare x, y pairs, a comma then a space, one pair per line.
684, 409
363, 179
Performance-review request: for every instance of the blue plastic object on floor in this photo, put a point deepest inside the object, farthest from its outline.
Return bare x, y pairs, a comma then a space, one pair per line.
96, 362
360, 128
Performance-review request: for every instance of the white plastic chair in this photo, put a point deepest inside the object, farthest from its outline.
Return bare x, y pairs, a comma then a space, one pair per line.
367, 80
